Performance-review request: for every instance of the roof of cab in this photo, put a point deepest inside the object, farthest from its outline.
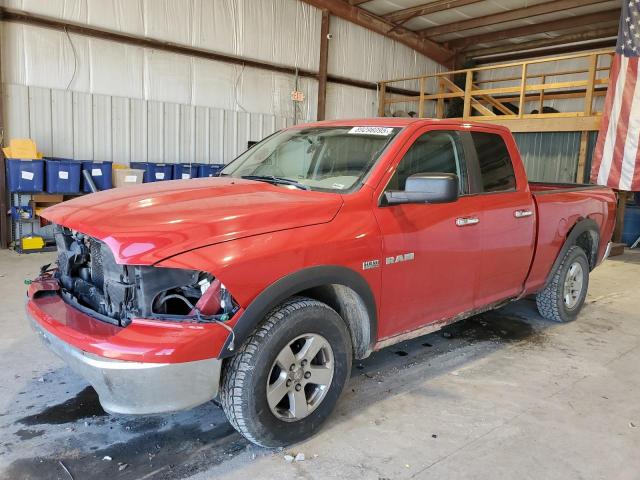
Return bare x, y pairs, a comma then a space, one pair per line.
397, 122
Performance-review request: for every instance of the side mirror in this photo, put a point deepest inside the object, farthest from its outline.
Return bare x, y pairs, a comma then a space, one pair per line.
426, 188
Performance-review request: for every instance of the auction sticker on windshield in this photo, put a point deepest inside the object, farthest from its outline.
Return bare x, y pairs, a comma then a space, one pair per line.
382, 131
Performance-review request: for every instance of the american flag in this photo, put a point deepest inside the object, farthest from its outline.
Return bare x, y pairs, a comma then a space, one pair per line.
616, 159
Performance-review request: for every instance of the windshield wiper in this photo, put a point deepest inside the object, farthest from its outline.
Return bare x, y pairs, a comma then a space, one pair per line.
276, 180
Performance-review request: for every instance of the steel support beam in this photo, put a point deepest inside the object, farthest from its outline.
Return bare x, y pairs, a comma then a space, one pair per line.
608, 17
7, 15
551, 50
323, 64
404, 15
508, 16
520, 49
4, 195
377, 24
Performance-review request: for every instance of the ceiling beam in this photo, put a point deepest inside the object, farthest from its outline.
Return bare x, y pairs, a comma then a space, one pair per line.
509, 16
587, 35
402, 16
553, 50
361, 17
609, 16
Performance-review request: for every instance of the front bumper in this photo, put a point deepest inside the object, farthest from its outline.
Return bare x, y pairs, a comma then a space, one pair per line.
136, 387
145, 368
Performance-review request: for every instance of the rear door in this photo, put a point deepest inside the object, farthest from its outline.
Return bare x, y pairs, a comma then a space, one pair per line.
431, 252
508, 221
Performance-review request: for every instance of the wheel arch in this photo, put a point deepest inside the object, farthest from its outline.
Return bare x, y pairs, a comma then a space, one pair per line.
584, 234
343, 289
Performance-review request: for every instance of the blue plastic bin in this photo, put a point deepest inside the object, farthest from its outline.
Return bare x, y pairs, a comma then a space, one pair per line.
154, 172
63, 175
25, 175
185, 170
210, 170
100, 173
21, 212
631, 225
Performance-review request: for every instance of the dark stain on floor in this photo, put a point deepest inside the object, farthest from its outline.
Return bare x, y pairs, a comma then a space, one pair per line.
176, 453
493, 327
144, 424
84, 405
28, 434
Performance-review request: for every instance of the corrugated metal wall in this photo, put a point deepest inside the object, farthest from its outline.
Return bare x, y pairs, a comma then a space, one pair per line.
102, 127
550, 156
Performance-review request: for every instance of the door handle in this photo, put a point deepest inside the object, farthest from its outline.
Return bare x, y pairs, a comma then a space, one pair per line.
522, 213
467, 221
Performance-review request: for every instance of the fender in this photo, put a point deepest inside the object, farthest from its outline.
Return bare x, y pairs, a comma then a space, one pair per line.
582, 226
295, 283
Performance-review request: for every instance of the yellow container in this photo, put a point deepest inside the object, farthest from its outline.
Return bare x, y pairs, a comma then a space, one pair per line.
32, 243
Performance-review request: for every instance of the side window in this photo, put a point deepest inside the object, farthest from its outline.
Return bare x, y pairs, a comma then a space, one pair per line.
438, 151
495, 163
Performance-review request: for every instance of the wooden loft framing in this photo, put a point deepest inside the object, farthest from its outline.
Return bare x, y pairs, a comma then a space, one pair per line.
489, 96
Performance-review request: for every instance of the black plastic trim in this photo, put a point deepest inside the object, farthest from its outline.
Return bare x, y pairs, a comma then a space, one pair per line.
585, 225
295, 283
66, 298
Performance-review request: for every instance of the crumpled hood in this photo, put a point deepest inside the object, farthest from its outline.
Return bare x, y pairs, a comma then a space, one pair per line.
148, 223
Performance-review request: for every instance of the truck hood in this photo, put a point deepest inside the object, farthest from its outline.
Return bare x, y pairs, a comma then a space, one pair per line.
148, 223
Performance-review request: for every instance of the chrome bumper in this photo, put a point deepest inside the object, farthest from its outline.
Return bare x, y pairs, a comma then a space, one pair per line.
139, 388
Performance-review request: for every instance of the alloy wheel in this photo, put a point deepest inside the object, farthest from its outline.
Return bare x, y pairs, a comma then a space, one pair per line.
573, 285
300, 377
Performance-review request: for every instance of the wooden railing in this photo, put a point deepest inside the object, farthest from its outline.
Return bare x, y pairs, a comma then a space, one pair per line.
480, 94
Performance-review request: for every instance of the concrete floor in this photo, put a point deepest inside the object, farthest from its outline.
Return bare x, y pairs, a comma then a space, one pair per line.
503, 395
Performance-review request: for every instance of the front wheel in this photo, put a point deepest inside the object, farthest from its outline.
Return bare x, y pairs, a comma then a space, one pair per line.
563, 297
287, 378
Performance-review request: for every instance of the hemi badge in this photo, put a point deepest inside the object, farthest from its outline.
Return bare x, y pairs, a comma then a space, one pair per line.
369, 264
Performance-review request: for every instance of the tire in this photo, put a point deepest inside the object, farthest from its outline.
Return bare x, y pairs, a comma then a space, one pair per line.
256, 368
557, 304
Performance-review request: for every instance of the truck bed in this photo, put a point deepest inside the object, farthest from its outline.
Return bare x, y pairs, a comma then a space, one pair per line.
556, 187
558, 207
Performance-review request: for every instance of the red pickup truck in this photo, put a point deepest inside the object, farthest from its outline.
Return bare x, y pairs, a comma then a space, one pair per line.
321, 244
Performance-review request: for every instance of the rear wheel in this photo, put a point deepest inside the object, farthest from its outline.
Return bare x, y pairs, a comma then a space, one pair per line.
287, 378
562, 299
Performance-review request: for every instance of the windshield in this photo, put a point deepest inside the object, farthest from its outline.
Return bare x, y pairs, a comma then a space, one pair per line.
320, 158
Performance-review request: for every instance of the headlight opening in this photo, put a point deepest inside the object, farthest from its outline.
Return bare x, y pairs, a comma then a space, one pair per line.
204, 299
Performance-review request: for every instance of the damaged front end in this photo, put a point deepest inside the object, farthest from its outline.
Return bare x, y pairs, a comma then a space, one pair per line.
146, 338
92, 281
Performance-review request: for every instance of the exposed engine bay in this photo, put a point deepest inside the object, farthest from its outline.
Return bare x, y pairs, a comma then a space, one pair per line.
92, 281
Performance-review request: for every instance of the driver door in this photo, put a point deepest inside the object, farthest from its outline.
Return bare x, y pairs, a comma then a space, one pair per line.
431, 252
